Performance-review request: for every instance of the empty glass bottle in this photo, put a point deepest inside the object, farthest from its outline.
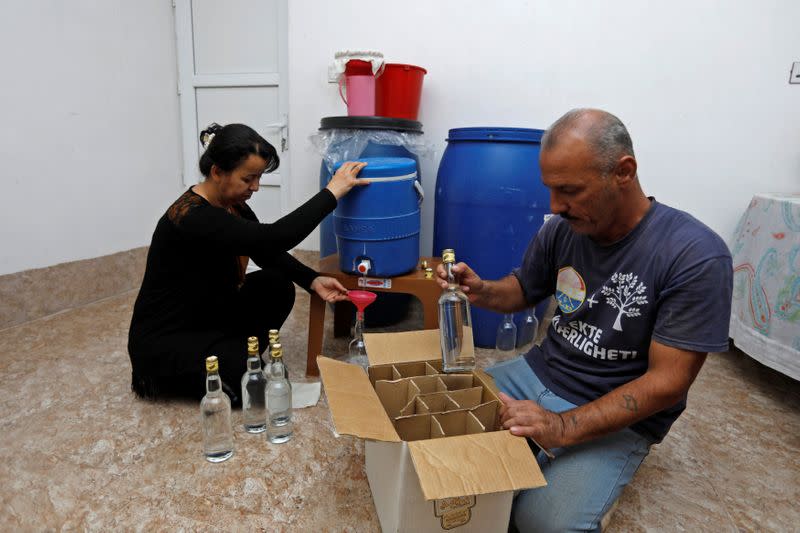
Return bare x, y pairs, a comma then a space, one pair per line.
507, 334
215, 413
254, 384
528, 330
357, 351
279, 400
455, 323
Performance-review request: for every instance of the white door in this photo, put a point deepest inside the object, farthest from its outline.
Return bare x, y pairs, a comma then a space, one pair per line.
232, 67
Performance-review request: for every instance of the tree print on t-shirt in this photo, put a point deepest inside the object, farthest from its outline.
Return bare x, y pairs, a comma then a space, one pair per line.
627, 292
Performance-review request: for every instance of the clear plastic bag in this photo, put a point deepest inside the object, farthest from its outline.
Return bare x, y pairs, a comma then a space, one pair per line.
336, 145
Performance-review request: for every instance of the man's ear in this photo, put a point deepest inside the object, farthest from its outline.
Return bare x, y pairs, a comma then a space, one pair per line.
625, 171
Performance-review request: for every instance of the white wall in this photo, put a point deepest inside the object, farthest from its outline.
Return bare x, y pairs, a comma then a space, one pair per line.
89, 137
702, 85
89, 129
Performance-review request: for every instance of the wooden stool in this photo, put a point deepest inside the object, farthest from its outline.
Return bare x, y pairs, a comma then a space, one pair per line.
427, 290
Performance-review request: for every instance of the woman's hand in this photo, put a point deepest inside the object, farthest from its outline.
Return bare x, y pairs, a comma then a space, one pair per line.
329, 289
345, 178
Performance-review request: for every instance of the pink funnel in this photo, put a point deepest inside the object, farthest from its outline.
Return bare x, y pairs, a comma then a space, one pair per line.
361, 299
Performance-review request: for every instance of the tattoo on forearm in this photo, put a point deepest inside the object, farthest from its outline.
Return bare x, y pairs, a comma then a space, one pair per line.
630, 403
574, 420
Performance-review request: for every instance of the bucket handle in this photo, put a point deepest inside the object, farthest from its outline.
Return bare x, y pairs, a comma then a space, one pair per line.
420, 191
343, 89
341, 82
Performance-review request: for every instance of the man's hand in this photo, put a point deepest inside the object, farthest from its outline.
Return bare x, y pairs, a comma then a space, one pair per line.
329, 289
471, 283
526, 418
502, 296
666, 382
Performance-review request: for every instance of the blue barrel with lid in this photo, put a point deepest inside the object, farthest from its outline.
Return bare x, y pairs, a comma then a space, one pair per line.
490, 202
377, 225
348, 133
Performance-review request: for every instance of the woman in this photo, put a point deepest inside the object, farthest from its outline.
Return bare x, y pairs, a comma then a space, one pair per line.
196, 299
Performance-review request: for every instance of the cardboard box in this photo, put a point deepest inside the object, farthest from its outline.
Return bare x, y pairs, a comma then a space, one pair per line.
436, 458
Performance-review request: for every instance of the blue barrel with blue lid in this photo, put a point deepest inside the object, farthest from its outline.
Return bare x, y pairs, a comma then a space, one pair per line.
349, 137
377, 226
490, 202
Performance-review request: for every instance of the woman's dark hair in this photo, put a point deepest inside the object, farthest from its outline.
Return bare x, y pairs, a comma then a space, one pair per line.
229, 146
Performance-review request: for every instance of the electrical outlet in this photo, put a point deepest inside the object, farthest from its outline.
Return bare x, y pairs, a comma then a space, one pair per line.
794, 77
333, 76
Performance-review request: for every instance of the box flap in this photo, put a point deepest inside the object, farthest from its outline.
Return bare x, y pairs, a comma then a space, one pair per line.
355, 407
401, 347
474, 464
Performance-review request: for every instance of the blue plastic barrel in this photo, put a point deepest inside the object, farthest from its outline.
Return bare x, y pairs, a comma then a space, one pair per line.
372, 149
389, 308
490, 202
378, 224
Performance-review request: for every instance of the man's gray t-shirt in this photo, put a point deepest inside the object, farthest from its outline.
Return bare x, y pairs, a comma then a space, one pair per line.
669, 280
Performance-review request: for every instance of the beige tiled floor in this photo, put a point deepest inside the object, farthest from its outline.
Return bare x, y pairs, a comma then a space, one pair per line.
83, 453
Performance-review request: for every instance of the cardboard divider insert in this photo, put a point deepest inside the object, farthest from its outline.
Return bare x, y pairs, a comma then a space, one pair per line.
402, 370
478, 419
424, 403
455, 423
397, 394
466, 422
439, 402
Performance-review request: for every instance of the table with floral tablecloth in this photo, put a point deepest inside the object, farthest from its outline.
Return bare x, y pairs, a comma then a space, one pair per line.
765, 319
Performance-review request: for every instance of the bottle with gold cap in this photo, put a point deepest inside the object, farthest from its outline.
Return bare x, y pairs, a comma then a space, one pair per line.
279, 400
215, 412
274, 338
254, 385
455, 323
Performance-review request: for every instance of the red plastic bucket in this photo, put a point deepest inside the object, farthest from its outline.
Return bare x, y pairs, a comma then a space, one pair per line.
398, 91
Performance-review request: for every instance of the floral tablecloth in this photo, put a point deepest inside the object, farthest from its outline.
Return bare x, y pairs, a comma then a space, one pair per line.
765, 319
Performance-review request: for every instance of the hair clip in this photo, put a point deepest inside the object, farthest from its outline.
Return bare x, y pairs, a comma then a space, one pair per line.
206, 139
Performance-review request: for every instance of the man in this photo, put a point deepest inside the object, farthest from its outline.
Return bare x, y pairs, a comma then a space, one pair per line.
643, 292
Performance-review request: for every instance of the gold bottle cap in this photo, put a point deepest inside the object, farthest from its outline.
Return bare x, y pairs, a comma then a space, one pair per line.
429, 273
448, 256
252, 346
277, 351
273, 332
212, 364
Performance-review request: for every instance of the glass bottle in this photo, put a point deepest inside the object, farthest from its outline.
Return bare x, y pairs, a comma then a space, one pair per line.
507, 334
528, 330
274, 338
254, 384
455, 323
215, 412
357, 351
279, 400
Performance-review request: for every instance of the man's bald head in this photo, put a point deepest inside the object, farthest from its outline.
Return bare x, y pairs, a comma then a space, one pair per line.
604, 133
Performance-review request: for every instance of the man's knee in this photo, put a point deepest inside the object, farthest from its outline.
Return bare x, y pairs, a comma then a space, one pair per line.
533, 513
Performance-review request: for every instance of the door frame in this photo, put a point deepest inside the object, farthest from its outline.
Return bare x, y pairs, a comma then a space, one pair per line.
189, 82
